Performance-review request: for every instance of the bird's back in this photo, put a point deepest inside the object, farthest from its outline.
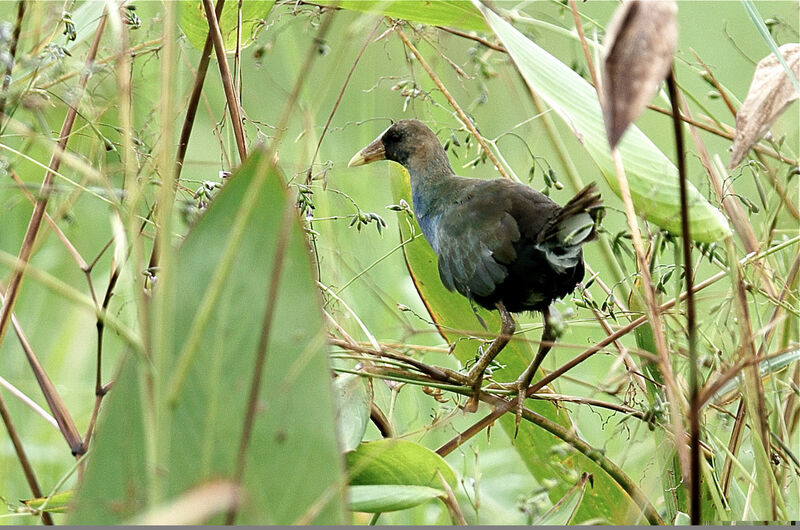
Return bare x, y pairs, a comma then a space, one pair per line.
501, 241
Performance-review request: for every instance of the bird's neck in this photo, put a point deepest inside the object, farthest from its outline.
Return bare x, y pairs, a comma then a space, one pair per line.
431, 184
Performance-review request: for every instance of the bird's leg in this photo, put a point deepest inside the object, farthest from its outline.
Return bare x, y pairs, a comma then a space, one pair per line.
548, 339
475, 375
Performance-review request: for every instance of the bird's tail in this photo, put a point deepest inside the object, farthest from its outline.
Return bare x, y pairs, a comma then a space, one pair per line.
573, 225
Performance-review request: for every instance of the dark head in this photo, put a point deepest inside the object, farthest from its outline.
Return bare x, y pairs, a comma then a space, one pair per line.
409, 143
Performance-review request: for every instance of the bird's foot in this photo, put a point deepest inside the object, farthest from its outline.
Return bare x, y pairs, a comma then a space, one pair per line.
475, 376
520, 388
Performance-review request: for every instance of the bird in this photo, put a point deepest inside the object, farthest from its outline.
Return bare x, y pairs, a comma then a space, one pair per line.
501, 244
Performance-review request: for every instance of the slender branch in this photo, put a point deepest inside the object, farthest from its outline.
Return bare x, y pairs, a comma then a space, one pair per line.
98, 399
552, 376
741, 224
57, 406
27, 468
446, 93
582, 39
725, 134
665, 366
722, 93
151, 46
569, 436
28, 402
53, 226
754, 390
227, 81
194, 98
465, 35
450, 501
339, 100
26, 250
695, 508
12, 52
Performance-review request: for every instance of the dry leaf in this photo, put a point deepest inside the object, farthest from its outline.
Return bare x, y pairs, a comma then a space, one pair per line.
771, 91
194, 506
640, 43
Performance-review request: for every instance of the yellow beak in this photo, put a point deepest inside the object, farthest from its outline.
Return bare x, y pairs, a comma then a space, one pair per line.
369, 154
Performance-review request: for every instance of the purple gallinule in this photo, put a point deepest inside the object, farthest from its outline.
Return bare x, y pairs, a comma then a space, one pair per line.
499, 243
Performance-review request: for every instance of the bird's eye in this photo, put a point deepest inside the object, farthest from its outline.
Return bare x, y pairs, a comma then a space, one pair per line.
392, 135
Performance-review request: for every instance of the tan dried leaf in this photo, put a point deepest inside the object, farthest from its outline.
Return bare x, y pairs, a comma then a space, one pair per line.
194, 506
639, 45
771, 91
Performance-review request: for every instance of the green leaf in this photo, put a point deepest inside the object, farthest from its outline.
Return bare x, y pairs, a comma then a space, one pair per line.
563, 512
194, 25
398, 462
162, 433
543, 453
56, 503
389, 498
353, 397
455, 13
653, 178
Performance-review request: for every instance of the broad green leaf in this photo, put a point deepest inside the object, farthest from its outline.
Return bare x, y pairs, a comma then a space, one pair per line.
161, 435
542, 452
455, 13
653, 178
398, 462
353, 397
389, 497
194, 25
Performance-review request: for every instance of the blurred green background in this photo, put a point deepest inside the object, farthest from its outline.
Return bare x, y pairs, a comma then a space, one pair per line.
385, 85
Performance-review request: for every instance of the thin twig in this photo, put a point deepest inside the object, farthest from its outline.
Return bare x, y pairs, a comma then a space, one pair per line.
555, 374
26, 249
98, 399
154, 46
28, 402
227, 81
582, 39
695, 508
339, 100
483, 41
569, 436
57, 406
194, 98
12, 52
717, 85
22, 457
53, 226
665, 366
754, 390
467, 122
450, 501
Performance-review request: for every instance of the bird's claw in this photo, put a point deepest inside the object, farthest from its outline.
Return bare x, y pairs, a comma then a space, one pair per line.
472, 404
